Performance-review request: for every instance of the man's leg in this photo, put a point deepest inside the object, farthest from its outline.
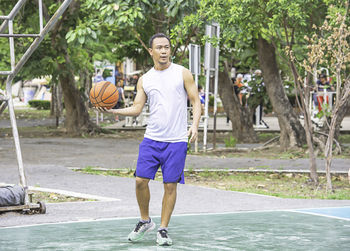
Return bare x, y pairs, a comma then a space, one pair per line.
143, 197
145, 224
172, 168
168, 204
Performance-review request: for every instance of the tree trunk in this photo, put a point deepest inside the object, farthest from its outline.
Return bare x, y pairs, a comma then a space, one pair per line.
302, 99
312, 157
292, 132
345, 109
241, 117
77, 117
53, 98
328, 153
87, 86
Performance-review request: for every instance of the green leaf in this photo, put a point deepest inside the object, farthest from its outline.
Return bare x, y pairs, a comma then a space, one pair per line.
93, 35
81, 39
60, 59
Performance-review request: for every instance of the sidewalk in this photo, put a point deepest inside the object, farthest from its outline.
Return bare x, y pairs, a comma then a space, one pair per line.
221, 125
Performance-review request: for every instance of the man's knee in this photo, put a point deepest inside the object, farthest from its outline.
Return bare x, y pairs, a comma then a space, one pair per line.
170, 188
141, 183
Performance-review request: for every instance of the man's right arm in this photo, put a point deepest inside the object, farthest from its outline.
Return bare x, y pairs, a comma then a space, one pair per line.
137, 105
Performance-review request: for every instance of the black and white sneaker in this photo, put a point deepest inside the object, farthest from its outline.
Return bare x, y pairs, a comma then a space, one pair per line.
163, 238
140, 230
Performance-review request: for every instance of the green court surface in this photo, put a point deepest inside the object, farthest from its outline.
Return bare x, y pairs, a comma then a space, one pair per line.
270, 230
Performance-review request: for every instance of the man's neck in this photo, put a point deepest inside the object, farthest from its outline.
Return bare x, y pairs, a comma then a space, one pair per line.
161, 67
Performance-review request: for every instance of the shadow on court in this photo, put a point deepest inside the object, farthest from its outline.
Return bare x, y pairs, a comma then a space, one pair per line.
270, 230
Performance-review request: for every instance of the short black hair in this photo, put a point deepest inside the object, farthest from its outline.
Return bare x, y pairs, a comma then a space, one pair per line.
323, 75
158, 35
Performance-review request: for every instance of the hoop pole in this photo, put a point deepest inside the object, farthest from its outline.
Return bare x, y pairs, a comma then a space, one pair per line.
14, 72
216, 84
22, 176
41, 15
12, 46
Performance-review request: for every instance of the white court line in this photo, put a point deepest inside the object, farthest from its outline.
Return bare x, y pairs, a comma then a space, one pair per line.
68, 193
174, 215
319, 214
316, 208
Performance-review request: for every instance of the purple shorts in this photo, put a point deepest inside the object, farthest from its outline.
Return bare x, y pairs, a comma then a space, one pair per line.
170, 156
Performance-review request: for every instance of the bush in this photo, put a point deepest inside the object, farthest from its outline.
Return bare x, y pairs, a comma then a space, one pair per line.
231, 142
211, 100
40, 104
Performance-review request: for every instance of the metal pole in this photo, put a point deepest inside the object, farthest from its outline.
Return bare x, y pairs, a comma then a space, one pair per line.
257, 116
207, 67
5, 72
196, 66
41, 15
16, 139
196, 141
206, 116
12, 46
19, 35
216, 83
3, 105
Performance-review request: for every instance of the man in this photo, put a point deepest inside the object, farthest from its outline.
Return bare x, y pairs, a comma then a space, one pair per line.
166, 86
257, 95
238, 87
323, 86
98, 77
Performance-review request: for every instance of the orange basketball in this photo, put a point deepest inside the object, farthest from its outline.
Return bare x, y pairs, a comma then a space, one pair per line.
104, 94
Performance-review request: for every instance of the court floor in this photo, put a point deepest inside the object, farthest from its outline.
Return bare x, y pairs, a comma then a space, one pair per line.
309, 229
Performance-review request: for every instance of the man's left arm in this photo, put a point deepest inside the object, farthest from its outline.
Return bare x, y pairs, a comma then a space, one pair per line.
192, 92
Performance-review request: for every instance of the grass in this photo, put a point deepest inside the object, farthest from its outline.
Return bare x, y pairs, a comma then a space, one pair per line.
276, 184
54, 197
27, 113
231, 142
265, 136
33, 132
277, 153
344, 138
283, 185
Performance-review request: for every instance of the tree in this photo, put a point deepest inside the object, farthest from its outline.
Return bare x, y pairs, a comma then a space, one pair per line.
53, 57
77, 117
65, 60
261, 24
328, 47
139, 20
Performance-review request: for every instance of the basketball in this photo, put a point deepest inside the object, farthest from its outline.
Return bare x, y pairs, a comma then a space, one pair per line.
104, 94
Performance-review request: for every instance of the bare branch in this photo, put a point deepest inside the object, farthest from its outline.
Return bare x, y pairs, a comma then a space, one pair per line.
334, 140
137, 35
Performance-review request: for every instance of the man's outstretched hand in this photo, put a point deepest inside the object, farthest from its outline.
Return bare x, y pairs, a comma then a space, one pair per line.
193, 132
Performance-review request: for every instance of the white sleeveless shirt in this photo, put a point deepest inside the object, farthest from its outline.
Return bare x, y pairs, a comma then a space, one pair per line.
167, 99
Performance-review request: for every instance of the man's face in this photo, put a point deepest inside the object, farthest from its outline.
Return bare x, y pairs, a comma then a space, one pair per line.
323, 80
160, 50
